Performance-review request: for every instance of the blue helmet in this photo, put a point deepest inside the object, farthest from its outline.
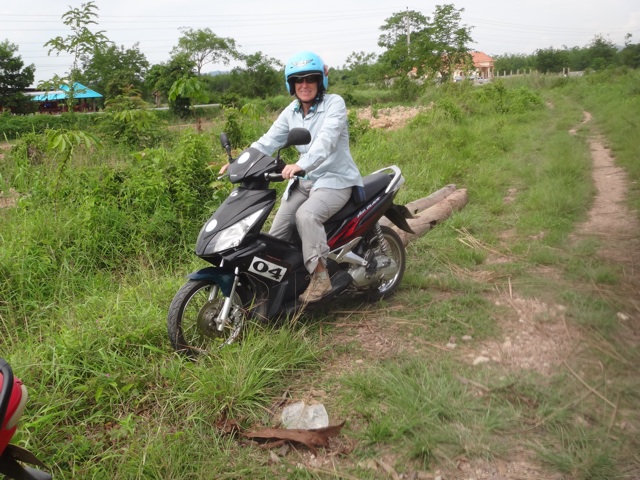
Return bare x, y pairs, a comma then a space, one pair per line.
301, 65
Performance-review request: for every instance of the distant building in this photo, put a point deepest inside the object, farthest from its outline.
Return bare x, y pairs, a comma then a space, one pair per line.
482, 68
483, 64
55, 101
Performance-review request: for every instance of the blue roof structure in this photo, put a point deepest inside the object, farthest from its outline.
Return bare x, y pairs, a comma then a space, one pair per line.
80, 91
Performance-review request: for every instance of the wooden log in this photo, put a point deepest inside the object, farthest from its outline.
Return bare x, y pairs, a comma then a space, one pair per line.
430, 217
423, 203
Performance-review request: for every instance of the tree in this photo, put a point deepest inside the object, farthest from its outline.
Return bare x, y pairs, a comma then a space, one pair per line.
161, 78
551, 60
579, 58
203, 46
14, 78
190, 88
360, 68
513, 62
630, 54
431, 46
602, 53
261, 78
114, 71
443, 45
79, 43
359, 60
397, 38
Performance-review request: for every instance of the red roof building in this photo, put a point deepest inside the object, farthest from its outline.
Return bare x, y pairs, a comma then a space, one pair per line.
483, 64
482, 68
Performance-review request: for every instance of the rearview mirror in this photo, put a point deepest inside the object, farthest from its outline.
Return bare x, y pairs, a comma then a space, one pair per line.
298, 136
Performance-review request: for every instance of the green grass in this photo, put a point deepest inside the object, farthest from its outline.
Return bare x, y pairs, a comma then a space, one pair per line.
90, 260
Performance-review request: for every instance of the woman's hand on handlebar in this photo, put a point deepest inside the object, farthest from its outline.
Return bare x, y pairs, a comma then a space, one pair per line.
290, 171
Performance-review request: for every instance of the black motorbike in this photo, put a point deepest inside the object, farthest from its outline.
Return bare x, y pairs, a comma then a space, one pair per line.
254, 275
13, 398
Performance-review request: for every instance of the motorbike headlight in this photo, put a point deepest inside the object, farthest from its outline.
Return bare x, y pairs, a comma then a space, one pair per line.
232, 236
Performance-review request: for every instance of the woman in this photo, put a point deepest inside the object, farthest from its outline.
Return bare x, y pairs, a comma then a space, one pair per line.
330, 172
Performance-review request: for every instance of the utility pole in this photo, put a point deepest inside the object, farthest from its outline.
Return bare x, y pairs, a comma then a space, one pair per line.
407, 27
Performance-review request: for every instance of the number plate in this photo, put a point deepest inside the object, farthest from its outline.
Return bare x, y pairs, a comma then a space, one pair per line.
267, 269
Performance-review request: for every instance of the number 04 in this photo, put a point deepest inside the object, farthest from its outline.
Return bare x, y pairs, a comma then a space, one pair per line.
267, 269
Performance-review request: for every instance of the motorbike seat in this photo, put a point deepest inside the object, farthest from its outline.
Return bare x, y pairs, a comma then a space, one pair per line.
373, 184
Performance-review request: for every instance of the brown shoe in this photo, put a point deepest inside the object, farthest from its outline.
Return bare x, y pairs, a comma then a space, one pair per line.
320, 285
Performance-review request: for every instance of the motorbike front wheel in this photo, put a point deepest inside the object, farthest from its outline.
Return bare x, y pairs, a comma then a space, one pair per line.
191, 322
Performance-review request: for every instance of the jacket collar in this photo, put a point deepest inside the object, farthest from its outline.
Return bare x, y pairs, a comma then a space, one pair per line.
315, 107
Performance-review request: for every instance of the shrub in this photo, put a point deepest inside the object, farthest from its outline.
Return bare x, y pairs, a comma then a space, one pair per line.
135, 128
406, 90
357, 127
30, 148
14, 126
523, 99
450, 109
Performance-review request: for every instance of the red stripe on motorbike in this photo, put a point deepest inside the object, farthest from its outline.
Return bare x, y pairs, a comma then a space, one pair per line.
352, 229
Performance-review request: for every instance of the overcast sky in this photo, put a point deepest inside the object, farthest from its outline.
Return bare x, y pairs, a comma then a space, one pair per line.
332, 28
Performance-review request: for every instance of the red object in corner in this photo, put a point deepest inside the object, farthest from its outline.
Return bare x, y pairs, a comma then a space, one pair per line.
14, 411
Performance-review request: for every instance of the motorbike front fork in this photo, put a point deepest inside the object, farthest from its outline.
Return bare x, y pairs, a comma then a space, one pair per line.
223, 317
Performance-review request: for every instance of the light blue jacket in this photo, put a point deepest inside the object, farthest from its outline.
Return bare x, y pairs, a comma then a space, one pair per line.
327, 159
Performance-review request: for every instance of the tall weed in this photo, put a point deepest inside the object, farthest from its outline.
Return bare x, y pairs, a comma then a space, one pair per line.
85, 219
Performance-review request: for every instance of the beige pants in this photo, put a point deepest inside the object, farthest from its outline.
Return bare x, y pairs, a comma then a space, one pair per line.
307, 210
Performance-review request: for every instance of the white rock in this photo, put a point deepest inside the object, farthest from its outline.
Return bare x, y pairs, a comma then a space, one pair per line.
481, 359
303, 416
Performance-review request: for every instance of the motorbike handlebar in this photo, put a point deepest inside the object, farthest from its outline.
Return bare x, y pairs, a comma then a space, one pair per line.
277, 177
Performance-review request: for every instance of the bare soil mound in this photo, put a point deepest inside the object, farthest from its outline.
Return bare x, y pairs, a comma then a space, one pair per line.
389, 118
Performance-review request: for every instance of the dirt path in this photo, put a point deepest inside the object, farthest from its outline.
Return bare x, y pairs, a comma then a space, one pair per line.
610, 220
545, 346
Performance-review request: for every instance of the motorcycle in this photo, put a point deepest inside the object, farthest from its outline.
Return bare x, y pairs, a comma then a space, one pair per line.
13, 399
256, 276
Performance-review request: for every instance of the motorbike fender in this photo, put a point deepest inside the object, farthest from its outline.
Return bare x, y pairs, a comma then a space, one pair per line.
220, 276
398, 214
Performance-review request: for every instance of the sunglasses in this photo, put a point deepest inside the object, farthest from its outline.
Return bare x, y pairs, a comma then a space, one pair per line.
310, 79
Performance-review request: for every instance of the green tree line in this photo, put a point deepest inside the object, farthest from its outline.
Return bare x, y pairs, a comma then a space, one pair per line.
600, 53
430, 46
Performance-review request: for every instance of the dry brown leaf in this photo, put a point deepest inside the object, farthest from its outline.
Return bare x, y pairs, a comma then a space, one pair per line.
318, 437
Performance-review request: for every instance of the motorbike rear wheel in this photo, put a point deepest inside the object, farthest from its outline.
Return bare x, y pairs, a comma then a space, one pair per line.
191, 320
394, 250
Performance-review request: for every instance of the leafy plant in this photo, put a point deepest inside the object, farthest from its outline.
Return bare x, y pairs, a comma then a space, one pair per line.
63, 143
189, 88
128, 120
80, 42
233, 127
